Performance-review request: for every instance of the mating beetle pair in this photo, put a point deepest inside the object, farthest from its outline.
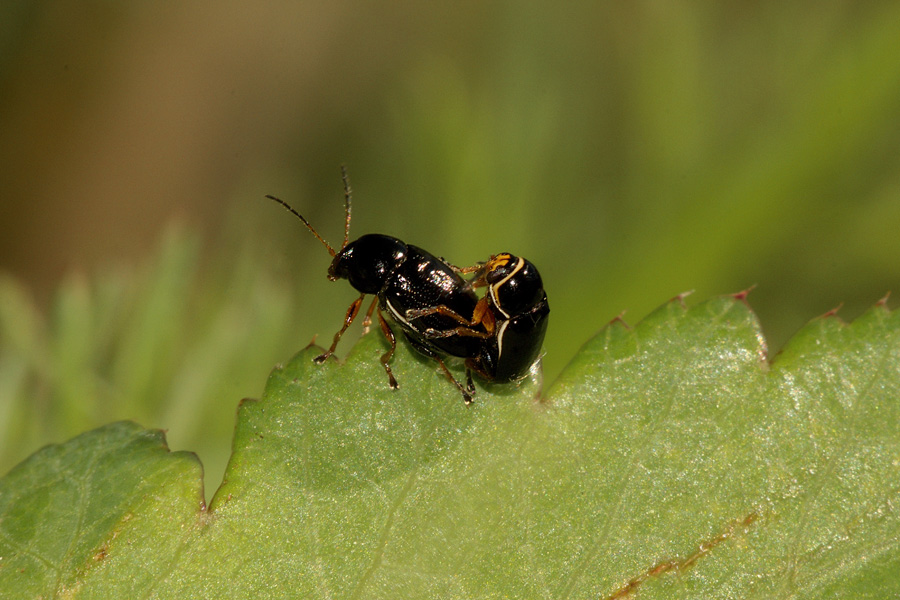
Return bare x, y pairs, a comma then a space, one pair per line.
437, 309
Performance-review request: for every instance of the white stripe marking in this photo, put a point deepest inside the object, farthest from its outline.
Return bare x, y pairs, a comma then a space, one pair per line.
396, 314
502, 282
500, 339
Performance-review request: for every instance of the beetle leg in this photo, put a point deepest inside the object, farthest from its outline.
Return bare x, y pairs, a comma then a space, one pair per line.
387, 355
433, 334
464, 270
368, 320
351, 314
418, 313
486, 268
481, 314
468, 392
472, 365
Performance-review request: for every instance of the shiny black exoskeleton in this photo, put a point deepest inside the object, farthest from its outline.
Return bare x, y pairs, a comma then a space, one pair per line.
403, 278
499, 335
510, 320
518, 302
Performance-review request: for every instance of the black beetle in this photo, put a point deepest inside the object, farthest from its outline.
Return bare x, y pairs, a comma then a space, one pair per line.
430, 299
402, 277
513, 315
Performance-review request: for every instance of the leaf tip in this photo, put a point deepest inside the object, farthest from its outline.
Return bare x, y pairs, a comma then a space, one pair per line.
312, 343
742, 295
680, 298
832, 313
619, 319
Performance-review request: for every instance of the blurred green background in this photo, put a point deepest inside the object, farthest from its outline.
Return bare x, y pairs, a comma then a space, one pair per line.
631, 150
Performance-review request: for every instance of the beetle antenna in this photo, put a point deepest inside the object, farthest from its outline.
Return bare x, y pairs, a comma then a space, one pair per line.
308, 226
347, 192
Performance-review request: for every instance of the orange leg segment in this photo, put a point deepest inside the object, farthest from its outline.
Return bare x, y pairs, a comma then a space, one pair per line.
368, 320
386, 357
481, 315
468, 392
348, 320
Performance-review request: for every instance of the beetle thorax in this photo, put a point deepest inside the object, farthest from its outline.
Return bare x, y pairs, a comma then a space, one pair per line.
368, 262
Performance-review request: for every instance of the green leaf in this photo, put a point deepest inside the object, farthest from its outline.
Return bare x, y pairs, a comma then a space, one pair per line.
111, 503
670, 460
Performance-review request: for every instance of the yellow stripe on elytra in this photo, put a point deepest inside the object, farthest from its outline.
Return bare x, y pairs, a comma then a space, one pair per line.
493, 289
498, 261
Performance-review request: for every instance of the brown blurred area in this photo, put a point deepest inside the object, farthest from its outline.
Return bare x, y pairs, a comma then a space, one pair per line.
632, 150
118, 118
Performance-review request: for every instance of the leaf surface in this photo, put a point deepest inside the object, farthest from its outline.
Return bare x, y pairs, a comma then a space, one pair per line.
670, 460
